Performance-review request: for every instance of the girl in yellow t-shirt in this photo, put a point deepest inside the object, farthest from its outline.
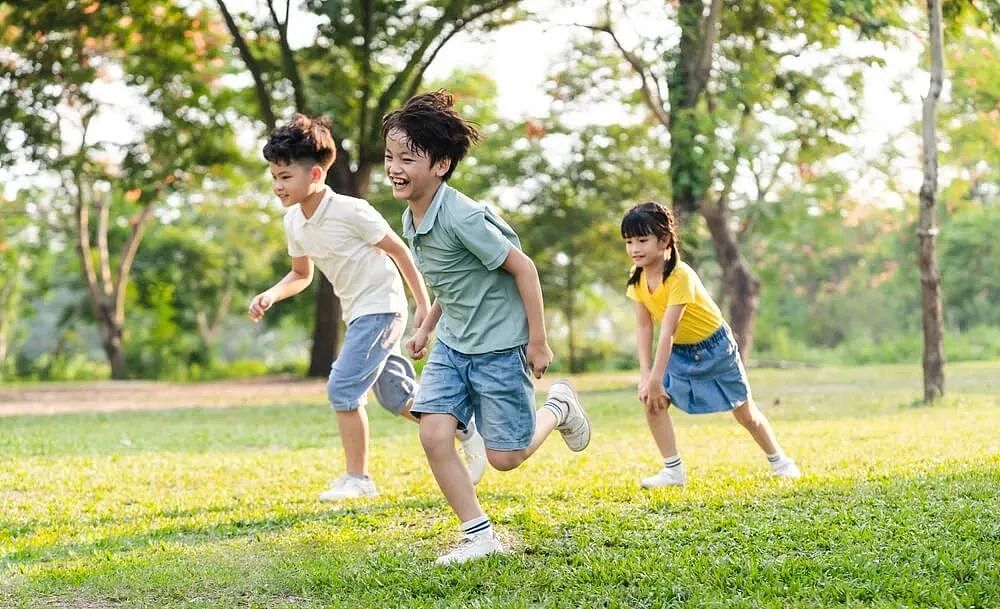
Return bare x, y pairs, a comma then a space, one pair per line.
697, 365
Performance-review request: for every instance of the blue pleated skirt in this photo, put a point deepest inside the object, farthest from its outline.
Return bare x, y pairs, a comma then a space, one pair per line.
707, 376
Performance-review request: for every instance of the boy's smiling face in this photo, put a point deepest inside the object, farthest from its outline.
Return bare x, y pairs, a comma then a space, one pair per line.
293, 182
412, 175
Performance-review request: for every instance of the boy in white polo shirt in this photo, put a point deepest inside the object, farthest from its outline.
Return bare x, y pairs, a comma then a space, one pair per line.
355, 249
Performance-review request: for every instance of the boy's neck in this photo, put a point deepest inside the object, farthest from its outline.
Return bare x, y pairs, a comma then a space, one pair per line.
310, 204
419, 207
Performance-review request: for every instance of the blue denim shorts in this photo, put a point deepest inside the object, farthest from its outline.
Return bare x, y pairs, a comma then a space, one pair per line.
494, 387
369, 359
707, 376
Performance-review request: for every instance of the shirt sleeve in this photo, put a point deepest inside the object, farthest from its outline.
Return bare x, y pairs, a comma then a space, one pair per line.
482, 238
369, 224
682, 286
294, 248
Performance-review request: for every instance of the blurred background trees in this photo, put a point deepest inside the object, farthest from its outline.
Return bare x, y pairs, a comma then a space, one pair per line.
136, 219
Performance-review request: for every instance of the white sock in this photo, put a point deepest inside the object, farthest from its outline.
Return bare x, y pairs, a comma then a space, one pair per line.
477, 526
673, 461
470, 430
775, 457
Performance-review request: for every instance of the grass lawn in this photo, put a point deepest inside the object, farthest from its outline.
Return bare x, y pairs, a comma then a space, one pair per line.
899, 507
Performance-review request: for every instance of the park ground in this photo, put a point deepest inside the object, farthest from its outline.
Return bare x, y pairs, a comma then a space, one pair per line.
124, 495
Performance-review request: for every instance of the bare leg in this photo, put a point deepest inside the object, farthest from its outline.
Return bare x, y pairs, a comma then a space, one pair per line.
545, 422
756, 423
437, 435
662, 429
353, 426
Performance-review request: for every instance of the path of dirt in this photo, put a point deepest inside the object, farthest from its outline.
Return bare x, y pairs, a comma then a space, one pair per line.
108, 396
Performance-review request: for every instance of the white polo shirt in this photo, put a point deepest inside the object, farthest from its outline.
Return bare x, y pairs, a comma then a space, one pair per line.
340, 239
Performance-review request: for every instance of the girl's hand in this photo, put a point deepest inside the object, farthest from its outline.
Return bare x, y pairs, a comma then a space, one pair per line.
643, 390
656, 398
417, 346
539, 357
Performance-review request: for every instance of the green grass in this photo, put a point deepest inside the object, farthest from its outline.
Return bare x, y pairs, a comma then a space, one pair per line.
216, 508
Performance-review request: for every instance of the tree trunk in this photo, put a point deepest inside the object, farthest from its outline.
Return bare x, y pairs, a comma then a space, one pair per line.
111, 329
930, 278
741, 286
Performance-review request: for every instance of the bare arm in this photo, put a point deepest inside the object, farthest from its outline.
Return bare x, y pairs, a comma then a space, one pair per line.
291, 284
417, 346
394, 247
656, 397
643, 339
526, 278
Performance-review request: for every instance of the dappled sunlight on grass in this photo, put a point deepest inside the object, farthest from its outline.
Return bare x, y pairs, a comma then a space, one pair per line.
217, 508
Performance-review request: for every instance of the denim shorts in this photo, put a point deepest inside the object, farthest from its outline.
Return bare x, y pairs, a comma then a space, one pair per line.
493, 387
707, 376
369, 358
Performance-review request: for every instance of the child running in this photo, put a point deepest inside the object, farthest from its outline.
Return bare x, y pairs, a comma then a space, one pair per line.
355, 249
487, 315
697, 366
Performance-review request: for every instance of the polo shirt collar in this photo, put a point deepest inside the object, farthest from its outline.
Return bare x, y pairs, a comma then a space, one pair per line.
324, 204
429, 218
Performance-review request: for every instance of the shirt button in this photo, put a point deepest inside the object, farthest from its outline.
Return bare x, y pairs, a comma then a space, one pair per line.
697, 358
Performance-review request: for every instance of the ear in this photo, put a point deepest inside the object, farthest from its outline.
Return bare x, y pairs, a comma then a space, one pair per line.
316, 173
441, 167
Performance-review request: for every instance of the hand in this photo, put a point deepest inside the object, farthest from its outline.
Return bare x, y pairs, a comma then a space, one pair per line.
259, 305
539, 358
417, 345
643, 389
656, 397
419, 315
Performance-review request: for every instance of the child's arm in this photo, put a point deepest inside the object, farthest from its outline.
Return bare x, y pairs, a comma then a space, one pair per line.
644, 346
656, 397
417, 346
291, 284
526, 277
392, 245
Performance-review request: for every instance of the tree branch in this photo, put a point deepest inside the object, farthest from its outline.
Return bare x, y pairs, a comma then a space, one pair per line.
652, 95
263, 97
103, 255
287, 57
129, 249
703, 64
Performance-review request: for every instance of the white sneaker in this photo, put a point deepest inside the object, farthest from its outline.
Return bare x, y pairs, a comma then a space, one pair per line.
473, 452
785, 468
668, 476
349, 487
472, 547
575, 428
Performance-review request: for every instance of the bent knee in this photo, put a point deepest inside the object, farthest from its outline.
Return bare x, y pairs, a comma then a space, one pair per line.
504, 461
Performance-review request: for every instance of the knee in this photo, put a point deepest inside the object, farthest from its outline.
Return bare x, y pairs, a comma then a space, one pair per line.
435, 436
504, 461
747, 415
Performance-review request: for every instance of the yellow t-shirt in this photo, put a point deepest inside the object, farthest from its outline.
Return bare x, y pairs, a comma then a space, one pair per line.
701, 317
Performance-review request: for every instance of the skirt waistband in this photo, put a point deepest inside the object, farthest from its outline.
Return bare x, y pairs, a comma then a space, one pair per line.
720, 335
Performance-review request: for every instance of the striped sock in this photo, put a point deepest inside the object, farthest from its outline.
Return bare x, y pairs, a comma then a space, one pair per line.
558, 408
476, 526
775, 457
672, 462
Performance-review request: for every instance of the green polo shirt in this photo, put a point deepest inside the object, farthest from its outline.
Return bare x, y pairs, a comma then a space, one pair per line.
459, 247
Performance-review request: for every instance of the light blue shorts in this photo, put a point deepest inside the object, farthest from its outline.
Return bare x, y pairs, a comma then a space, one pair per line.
369, 358
494, 387
707, 376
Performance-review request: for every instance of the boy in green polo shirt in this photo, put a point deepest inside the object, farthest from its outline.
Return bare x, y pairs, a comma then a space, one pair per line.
487, 315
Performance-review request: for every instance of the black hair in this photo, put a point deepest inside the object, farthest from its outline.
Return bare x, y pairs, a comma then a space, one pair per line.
302, 139
651, 219
433, 128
